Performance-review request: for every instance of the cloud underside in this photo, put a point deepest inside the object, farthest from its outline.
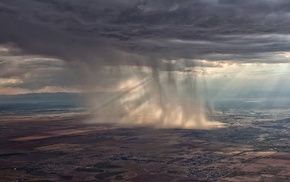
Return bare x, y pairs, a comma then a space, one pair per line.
232, 30
39, 38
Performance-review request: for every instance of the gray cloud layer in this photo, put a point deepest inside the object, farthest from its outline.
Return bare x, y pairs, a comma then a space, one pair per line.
200, 29
38, 38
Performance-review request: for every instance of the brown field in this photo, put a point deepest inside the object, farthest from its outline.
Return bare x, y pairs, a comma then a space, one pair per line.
67, 149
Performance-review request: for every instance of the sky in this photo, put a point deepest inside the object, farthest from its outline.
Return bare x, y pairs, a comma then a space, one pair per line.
239, 47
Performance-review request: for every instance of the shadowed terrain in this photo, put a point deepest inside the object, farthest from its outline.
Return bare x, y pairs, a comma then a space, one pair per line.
54, 148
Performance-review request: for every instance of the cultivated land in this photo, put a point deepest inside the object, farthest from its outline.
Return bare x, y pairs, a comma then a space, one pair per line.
253, 147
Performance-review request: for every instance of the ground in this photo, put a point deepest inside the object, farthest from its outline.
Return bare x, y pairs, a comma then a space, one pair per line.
44, 149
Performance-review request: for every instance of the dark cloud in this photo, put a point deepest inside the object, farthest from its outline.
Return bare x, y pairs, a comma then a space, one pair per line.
96, 36
162, 29
168, 35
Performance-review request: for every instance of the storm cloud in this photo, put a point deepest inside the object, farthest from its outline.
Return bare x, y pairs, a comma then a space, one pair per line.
166, 29
156, 52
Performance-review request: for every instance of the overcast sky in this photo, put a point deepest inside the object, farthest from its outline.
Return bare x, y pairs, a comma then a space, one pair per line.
44, 42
